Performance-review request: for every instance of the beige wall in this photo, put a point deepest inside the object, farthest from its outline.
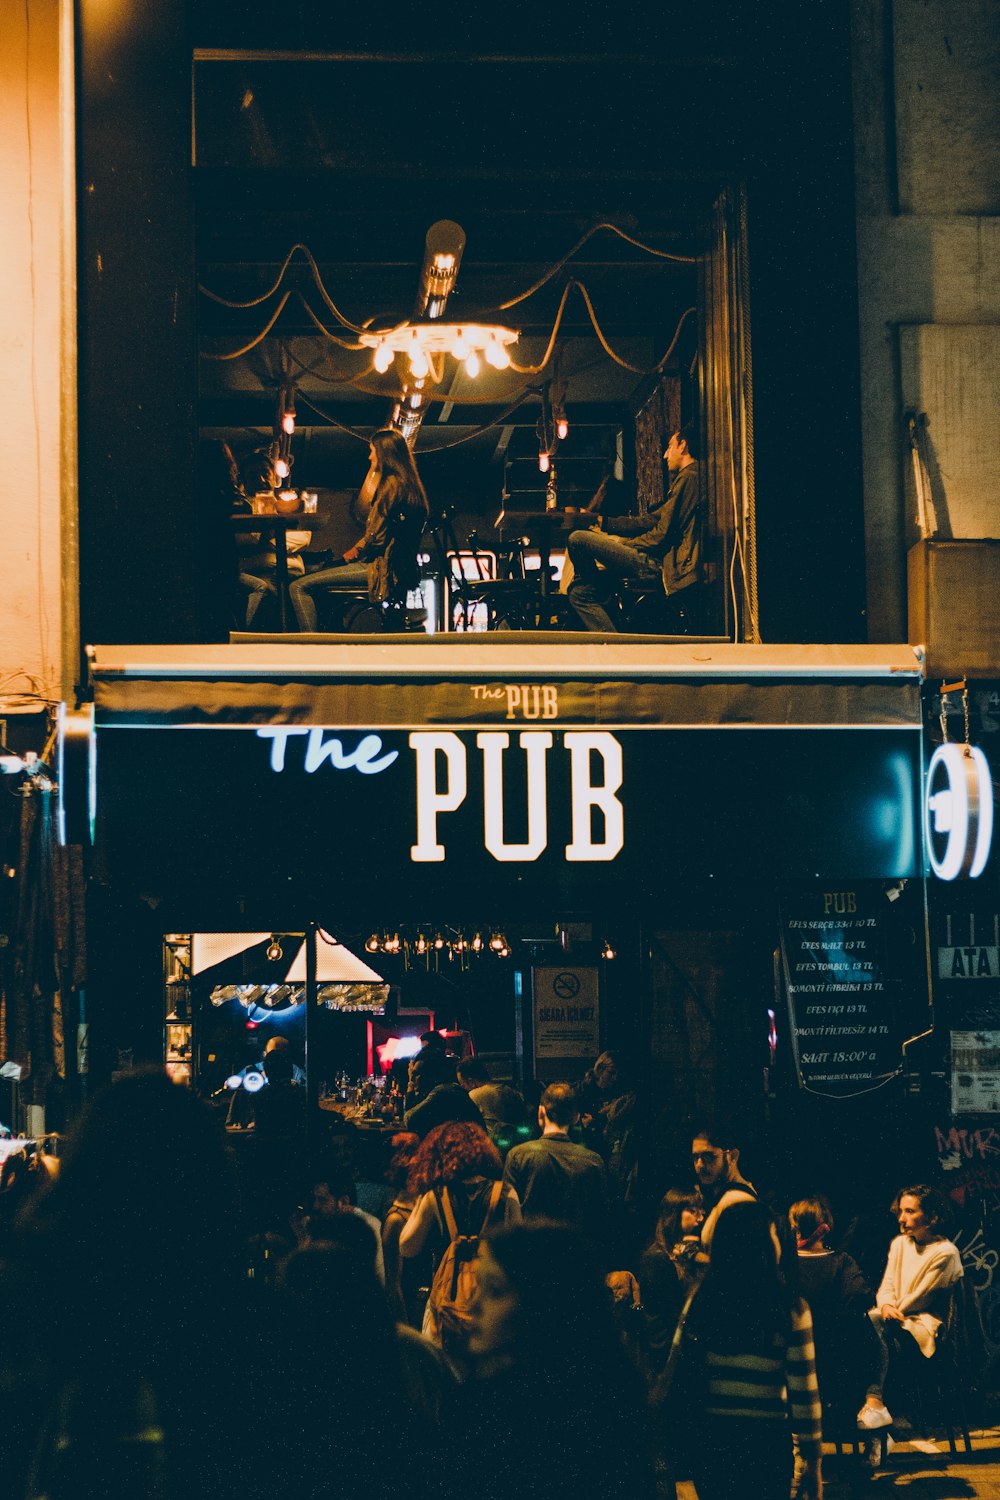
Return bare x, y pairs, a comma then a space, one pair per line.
927, 135
37, 443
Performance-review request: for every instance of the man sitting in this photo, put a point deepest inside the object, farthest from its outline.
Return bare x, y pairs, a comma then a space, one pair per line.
921, 1267
662, 548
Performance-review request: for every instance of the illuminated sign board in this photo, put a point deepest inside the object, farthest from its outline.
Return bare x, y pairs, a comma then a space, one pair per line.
958, 811
532, 811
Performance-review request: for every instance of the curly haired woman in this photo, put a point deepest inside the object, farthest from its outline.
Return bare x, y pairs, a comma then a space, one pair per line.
457, 1173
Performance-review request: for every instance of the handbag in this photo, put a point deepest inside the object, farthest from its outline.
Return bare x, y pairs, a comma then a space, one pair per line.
678, 1397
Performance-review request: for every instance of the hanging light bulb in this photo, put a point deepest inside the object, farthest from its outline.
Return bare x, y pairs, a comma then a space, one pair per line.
607, 951
496, 355
439, 942
504, 952
562, 428
477, 943
394, 944
497, 942
371, 943
461, 349
543, 462
383, 358
288, 420
418, 364
281, 468
459, 944
420, 946
472, 365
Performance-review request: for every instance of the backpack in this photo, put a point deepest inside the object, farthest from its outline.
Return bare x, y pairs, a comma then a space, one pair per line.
448, 1315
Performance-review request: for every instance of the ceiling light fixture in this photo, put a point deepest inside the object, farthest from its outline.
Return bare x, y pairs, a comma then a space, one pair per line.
423, 340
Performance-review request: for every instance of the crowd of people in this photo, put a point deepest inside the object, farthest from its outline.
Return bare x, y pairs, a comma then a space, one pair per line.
505, 1322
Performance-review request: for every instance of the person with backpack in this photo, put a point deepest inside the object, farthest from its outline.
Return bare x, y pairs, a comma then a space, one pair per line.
457, 1171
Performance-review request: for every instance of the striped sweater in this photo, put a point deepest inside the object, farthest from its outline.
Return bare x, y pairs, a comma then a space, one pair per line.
770, 1387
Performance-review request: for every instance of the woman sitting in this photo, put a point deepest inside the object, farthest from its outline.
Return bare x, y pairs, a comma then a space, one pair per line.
384, 561
921, 1268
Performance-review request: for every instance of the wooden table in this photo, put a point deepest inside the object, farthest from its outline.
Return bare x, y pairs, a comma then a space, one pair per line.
278, 527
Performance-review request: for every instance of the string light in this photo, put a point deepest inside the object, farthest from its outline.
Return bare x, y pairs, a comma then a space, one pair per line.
416, 943
607, 951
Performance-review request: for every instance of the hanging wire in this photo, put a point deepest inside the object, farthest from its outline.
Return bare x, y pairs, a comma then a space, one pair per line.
238, 353
341, 343
317, 278
362, 437
635, 369
687, 260
537, 369
469, 437
314, 372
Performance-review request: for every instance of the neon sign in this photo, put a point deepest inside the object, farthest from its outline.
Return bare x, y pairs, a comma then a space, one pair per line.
959, 804
366, 756
444, 751
597, 817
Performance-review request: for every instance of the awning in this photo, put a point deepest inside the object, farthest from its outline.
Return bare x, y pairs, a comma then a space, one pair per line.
460, 681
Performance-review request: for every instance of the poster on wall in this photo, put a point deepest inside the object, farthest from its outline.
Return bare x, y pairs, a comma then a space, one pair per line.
839, 995
975, 1072
566, 1018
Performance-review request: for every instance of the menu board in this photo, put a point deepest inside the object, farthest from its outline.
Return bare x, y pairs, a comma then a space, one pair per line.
833, 953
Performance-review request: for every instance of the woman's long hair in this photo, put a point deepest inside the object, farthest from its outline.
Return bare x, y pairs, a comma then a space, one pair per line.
744, 1303
395, 461
452, 1152
668, 1222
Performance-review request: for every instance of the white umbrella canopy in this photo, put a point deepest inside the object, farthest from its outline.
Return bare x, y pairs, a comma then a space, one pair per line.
344, 981
334, 963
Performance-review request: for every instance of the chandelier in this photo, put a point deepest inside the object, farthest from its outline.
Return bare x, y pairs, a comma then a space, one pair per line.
426, 341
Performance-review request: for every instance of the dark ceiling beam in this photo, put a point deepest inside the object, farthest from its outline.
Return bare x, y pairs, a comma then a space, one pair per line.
712, 62
225, 412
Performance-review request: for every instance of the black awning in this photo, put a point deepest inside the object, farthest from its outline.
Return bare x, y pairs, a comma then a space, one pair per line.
461, 682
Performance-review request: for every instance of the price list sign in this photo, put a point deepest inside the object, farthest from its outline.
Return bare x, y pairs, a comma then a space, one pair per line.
839, 1006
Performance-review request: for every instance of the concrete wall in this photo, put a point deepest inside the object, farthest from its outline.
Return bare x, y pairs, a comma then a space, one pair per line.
33, 190
927, 144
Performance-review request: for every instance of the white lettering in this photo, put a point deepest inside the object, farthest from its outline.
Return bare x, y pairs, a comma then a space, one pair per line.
280, 738
586, 796
536, 745
364, 757
430, 802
